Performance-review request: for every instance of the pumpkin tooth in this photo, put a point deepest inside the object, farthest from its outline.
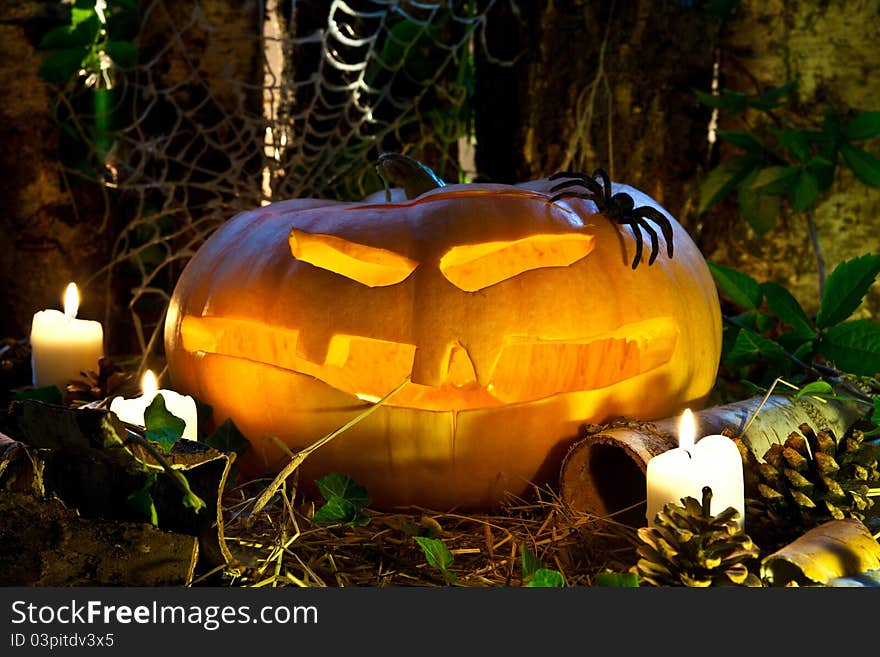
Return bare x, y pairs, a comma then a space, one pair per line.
314, 346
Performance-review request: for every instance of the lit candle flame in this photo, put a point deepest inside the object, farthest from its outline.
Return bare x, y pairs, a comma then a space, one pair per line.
149, 385
71, 301
687, 430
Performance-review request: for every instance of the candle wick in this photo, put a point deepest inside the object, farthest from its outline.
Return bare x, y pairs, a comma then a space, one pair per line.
707, 501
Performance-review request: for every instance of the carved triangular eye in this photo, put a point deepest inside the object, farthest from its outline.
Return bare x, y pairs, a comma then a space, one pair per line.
369, 265
472, 267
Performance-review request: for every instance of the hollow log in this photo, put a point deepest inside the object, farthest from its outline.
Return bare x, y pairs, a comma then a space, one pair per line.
603, 472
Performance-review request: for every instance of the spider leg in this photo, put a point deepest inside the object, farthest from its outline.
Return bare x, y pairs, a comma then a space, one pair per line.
637, 233
587, 182
561, 195
655, 244
600, 173
658, 218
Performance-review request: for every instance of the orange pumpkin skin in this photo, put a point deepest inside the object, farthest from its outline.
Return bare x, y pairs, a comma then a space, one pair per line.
501, 374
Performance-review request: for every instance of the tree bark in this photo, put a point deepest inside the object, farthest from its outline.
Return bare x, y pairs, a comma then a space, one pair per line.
51, 236
604, 470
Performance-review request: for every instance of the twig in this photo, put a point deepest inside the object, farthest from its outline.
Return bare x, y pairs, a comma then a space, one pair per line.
817, 250
301, 455
816, 369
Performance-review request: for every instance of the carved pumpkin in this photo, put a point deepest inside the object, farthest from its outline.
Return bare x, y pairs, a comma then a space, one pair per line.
515, 319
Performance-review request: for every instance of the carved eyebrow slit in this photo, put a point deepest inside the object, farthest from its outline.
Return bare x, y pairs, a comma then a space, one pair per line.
472, 267
368, 265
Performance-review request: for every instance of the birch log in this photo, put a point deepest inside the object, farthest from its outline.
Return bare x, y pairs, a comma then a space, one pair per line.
603, 472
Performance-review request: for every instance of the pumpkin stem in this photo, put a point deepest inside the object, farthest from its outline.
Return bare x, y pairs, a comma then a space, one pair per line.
410, 174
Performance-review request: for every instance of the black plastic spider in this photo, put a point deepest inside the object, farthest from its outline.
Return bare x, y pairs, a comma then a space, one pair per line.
618, 207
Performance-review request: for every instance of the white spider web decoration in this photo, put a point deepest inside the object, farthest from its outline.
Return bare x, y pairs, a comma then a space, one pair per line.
201, 134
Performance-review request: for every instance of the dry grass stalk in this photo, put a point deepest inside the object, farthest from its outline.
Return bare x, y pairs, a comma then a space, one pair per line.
281, 547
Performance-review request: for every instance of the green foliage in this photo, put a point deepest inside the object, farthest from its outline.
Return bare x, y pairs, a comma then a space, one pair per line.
775, 330
48, 394
344, 501
535, 574
91, 43
165, 429
227, 438
618, 580
437, 555
162, 427
141, 501
785, 163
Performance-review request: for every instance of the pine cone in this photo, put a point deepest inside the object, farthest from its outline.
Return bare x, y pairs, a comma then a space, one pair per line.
98, 385
810, 479
690, 547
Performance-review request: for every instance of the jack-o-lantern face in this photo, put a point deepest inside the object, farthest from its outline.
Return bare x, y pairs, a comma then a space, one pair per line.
513, 319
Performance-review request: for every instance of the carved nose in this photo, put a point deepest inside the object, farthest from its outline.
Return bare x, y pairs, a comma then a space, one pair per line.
460, 367
452, 365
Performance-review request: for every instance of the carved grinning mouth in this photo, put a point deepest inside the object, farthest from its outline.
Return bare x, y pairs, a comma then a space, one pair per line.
369, 368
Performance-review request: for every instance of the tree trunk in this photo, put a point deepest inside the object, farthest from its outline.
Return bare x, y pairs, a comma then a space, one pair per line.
830, 48
598, 84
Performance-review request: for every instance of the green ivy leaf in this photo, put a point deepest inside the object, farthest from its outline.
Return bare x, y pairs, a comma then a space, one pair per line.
344, 500
845, 288
853, 347
815, 388
749, 347
227, 438
48, 394
162, 426
864, 165
618, 580
776, 180
723, 179
745, 140
123, 53
806, 189
823, 168
742, 289
796, 142
339, 510
338, 485
437, 555
190, 499
772, 98
61, 65
788, 310
64, 36
546, 578
863, 125
141, 501
875, 415
803, 351
759, 210
530, 562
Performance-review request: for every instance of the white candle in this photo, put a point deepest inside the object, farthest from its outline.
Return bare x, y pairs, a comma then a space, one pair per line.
713, 461
62, 346
183, 406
